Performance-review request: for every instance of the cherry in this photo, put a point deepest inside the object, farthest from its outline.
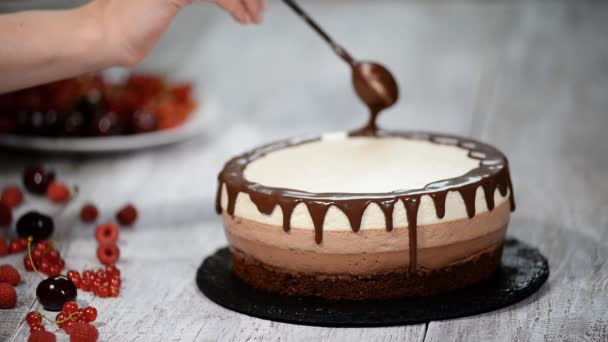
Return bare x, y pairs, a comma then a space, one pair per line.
36, 225
36, 179
33, 318
55, 291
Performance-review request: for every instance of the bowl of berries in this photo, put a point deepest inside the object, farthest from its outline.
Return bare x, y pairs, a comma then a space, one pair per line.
97, 113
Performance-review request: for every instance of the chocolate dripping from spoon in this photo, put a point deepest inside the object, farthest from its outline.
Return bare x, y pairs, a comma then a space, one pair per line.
373, 83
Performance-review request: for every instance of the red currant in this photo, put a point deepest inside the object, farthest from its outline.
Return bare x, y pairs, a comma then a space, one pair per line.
27, 263
90, 313
73, 274
15, 247
33, 318
77, 282
45, 266
87, 275
37, 254
115, 281
114, 291
23, 242
53, 256
111, 269
60, 319
70, 307
101, 275
103, 291
36, 328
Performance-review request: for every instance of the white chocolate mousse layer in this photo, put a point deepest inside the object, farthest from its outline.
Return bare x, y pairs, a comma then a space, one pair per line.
338, 163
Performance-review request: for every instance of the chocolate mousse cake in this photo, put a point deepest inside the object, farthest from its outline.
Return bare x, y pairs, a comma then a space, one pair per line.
366, 216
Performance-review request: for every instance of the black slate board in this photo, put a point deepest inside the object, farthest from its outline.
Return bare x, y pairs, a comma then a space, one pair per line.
524, 270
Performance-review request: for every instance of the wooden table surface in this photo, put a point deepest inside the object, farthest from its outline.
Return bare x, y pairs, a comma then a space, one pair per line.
529, 77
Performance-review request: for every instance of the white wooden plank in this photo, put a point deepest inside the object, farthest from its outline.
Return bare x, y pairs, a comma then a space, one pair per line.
547, 112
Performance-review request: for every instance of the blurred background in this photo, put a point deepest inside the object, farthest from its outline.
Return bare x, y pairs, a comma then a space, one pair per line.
530, 77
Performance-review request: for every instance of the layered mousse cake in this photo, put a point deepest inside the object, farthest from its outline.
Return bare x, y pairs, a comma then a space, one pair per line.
354, 216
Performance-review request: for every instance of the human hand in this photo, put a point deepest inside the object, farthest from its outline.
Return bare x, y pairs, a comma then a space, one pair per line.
132, 28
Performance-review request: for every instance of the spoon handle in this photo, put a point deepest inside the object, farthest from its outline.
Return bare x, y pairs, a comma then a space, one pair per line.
335, 46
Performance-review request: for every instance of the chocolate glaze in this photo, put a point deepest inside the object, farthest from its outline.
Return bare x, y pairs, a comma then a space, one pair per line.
492, 174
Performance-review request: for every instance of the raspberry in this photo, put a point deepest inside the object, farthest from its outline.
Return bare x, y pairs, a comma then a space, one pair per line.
89, 213
58, 192
8, 274
3, 247
107, 233
8, 296
127, 215
108, 254
42, 336
12, 196
82, 332
6, 215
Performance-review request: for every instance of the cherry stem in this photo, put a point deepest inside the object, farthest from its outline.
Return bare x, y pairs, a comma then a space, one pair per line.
29, 254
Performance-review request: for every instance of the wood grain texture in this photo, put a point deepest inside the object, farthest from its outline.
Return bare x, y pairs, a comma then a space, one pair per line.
547, 112
529, 77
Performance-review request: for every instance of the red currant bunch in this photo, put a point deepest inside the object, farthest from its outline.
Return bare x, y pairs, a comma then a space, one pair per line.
103, 282
71, 313
46, 259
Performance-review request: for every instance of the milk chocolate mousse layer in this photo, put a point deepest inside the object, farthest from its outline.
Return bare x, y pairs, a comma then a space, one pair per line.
355, 217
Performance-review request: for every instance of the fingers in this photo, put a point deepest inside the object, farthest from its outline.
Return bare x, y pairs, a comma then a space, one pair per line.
254, 9
244, 11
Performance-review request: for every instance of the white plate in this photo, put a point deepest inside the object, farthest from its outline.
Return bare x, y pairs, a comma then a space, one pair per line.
198, 122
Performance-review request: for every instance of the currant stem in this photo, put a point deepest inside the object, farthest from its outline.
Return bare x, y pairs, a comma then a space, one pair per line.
29, 254
76, 313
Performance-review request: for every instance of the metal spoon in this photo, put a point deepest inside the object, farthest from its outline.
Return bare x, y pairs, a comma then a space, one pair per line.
373, 83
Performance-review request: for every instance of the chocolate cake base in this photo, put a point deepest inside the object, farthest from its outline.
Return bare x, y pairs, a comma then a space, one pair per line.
377, 286
522, 272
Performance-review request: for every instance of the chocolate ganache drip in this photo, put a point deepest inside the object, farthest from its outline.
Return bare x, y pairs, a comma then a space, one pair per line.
491, 174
